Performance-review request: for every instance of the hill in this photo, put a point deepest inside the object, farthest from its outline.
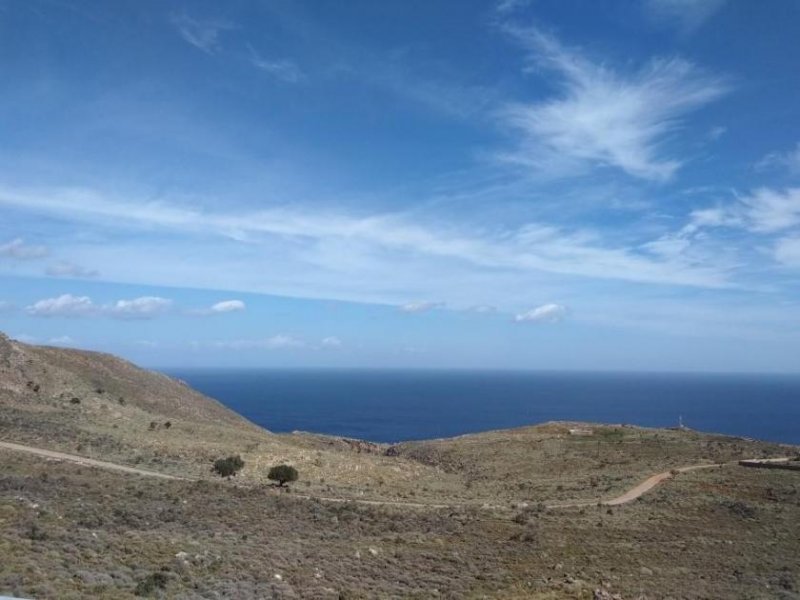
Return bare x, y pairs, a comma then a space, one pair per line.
103, 407
558, 510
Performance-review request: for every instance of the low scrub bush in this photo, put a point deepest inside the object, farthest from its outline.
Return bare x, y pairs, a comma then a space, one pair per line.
228, 467
151, 583
283, 474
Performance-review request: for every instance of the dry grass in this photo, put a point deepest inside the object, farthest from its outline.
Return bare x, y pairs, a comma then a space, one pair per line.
73, 532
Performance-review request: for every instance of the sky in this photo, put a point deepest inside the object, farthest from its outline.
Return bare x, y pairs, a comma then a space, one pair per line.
512, 184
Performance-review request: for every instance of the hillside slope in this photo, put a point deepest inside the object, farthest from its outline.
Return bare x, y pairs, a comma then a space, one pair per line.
54, 376
476, 516
104, 407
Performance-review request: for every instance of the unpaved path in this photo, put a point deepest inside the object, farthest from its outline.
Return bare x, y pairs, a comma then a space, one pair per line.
81, 460
632, 494
639, 490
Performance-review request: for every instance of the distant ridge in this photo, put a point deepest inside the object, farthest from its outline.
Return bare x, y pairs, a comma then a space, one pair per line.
48, 374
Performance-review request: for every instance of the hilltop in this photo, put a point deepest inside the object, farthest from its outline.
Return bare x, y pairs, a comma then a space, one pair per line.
104, 407
503, 514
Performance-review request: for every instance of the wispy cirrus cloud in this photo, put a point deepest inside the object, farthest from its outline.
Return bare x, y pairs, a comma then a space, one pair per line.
323, 241
787, 251
764, 210
789, 160
17, 249
280, 341
482, 309
687, 15
67, 269
203, 34
505, 7
602, 117
771, 215
331, 342
282, 69
61, 340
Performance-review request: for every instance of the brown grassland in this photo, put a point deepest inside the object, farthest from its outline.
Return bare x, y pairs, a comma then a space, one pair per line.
466, 517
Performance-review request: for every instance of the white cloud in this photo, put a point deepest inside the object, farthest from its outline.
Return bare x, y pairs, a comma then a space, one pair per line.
717, 132
283, 341
147, 343
227, 306
342, 256
283, 69
547, 313
25, 338
482, 309
787, 251
764, 210
688, 15
145, 307
605, 118
65, 305
420, 307
276, 342
510, 6
767, 210
63, 340
18, 249
331, 342
202, 34
668, 246
789, 160
68, 269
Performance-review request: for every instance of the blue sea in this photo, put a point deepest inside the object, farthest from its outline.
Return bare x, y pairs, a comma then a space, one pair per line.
392, 406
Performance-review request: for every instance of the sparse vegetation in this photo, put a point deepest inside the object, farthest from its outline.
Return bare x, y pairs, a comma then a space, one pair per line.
151, 583
229, 542
740, 508
283, 474
70, 532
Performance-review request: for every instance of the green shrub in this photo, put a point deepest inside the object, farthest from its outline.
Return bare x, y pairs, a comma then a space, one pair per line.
151, 583
283, 474
228, 467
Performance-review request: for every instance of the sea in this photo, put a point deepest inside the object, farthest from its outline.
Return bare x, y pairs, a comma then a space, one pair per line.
399, 405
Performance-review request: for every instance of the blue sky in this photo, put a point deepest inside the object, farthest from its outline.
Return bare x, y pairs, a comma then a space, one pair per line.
513, 184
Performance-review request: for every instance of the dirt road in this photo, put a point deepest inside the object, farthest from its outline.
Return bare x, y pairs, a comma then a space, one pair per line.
80, 460
632, 494
639, 490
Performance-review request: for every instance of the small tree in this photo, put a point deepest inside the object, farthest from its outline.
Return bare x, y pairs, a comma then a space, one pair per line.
283, 474
228, 467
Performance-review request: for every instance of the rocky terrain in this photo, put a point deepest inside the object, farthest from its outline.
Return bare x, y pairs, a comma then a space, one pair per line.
504, 514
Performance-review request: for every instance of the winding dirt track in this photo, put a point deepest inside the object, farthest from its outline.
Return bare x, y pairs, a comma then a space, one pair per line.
89, 462
639, 490
632, 494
